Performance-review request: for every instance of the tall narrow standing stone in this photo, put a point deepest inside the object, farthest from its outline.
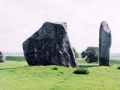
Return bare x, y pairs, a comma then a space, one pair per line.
104, 44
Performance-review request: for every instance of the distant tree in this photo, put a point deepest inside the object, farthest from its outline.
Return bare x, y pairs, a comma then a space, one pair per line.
90, 54
75, 52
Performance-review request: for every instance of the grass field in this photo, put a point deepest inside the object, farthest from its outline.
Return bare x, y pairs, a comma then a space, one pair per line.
17, 75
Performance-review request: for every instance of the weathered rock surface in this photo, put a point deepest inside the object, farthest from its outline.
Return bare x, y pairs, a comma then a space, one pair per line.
104, 44
49, 45
2, 57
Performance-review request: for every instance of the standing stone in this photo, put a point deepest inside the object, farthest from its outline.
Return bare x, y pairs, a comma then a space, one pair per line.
104, 44
2, 57
49, 46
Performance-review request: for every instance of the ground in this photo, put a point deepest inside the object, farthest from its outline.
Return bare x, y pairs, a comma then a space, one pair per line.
17, 75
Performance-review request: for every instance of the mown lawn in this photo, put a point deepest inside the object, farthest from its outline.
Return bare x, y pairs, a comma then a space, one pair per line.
17, 75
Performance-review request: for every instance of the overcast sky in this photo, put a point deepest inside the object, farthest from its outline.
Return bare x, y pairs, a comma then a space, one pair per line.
19, 19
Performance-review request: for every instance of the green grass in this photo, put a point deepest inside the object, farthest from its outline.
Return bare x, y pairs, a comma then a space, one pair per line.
17, 75
81, 70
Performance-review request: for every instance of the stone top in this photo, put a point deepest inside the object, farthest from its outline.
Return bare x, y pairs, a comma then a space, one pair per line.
62, 23
104, 26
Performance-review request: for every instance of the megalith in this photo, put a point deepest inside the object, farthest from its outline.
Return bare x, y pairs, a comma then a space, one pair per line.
49, 45
2, 57
104, 44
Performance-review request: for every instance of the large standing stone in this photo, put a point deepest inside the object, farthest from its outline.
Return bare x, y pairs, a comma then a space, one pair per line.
49, 45
2, 57
104, 44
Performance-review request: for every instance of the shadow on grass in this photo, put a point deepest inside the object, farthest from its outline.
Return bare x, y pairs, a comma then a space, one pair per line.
88, 66
12, 68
